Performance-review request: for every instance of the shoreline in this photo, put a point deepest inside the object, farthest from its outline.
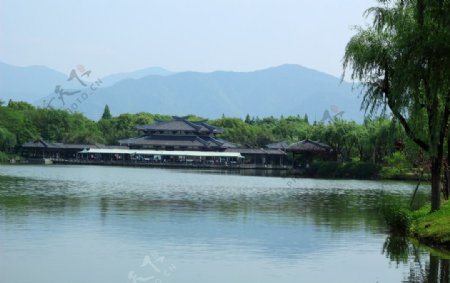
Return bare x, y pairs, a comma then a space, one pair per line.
285, 171
432, 229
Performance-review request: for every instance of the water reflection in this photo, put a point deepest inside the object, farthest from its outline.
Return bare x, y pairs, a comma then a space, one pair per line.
425, 265
334, 208
213, 225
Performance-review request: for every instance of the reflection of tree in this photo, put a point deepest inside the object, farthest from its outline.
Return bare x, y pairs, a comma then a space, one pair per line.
20, 196
333, 209
437, 270
424, 266
445, 270
397, 249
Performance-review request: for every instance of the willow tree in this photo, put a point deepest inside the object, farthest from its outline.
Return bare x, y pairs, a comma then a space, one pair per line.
403, 62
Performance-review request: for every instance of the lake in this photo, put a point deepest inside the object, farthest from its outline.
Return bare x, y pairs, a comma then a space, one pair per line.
114, 224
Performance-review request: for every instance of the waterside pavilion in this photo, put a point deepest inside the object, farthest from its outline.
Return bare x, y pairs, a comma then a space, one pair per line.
178, 142
305, 151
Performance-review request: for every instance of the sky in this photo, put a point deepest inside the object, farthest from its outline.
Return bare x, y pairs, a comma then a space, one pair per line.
112, 36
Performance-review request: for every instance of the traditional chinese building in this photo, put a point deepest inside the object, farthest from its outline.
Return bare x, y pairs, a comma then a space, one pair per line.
305, 151
173, 143
43, 149
282, 145
178, 134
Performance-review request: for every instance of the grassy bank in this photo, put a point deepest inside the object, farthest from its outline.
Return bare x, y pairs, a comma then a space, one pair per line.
432, 228
357, 170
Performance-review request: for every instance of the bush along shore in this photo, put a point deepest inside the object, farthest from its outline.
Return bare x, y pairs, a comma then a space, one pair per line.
430, 228
359, 170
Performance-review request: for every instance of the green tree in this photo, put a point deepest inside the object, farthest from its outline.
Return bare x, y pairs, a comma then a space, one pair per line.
106, 113
20, 105
341, 135
377, 139
82, 130
287, 129
247, 119
306, 118
7, 140
403, 61
19, 122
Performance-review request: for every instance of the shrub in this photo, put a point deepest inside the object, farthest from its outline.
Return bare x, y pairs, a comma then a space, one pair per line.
396, 166
4, 157
333, 169
325, 169
360, 170
398, 218
7, 140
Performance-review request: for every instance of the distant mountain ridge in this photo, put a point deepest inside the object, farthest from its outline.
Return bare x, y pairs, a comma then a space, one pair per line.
152, 71
27, 83
283, 90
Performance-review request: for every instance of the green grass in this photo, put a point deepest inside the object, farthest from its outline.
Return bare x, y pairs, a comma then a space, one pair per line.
432, 228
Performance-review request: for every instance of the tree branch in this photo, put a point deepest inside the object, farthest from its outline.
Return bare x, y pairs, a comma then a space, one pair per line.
444, 126
387, 91
408, 130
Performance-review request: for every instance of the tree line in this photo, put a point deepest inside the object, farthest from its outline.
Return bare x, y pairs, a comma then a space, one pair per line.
373, 141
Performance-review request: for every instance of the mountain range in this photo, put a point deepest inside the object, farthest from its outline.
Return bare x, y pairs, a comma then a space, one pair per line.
283, 90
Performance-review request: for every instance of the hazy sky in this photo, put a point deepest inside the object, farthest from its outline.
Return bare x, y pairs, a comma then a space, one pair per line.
109, 36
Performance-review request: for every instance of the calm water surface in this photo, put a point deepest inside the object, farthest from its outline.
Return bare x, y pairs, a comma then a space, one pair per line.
109, 224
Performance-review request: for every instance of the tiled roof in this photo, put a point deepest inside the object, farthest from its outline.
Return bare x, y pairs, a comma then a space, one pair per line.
227, 144
222, 143
309, 145
49, 145
278, 145
175, 140
180, 124
256, 151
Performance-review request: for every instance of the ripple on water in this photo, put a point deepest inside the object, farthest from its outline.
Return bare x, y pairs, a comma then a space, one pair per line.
214, 227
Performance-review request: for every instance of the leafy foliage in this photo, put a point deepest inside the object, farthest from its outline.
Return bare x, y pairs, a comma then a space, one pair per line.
361, 147
403, 62
353, 169
397, 216
7, 140
396, 166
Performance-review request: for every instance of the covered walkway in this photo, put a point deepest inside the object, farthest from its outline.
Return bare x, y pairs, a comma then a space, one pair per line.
162, 156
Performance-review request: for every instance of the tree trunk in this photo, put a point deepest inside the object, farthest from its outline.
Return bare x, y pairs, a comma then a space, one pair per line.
447, 171
436, 171
446, 188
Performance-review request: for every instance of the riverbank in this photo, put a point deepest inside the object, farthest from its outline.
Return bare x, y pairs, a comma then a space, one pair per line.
357, 170
432, 228
347, 171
